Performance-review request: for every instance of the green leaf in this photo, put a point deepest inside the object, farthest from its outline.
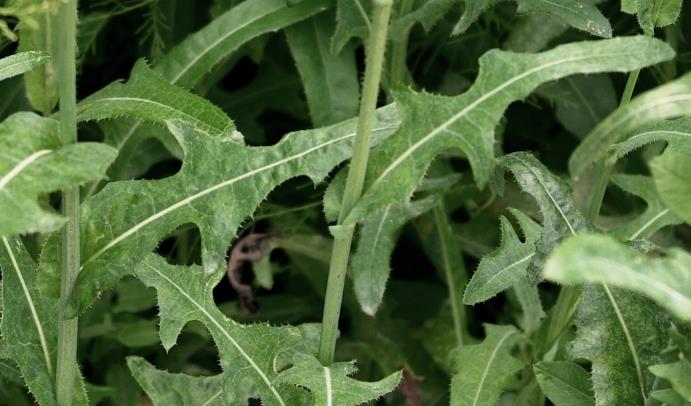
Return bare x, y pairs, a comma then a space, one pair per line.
507, 265
579, 14
672, 175
581, 101
434, 123
583, 259
428, 13
669, 397
187, 63
655, 216
164, 388
621, 334
564, 383
247, 352
17, 64
148, 96
484, 370
667, 101
34, 162
553, 195
332, 385
376, 241
219, 185
330, 81
653, 13
352, 20
675, 132
677, 373
30, 324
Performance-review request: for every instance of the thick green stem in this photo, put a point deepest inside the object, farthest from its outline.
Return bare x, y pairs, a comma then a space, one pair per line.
399, 48
343, 234
444, 231
70, 258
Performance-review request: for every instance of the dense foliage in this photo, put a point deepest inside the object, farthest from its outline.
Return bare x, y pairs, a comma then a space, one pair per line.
183, 185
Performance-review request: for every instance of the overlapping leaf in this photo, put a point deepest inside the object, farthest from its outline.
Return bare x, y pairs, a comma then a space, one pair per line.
672, 175
621, 334
247, 353
677, 373
655, 216
564, 383
653, 13
579, 14
33, 161
22, 62
560, 216
667, 101
508, 264
148, 96
219, 185
483, 370
333, 385
435, 123
30, 324
165, 388
601, 259
377, 239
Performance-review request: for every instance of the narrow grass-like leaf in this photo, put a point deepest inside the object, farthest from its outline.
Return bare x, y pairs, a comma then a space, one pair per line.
560, 216
30, 324
34, 161
333, 385
22, 62
148, 96
330, 81
508, 264
598, 258
436, 123
377, 238
564, 383
164, 388
247, 353
219, 185
667, 101
579, 14
621, 334
655, 216
483, 370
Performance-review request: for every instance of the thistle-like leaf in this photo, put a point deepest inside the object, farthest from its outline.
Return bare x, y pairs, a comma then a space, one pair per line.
560, 216
670, 100
483, 370
675, 133
377, 239
247, 352
436, 123
34, 162
199, 53
148, 96
330, 81
165, 388
219, 185
621, 334
601, 259
580, 14
22, 62
352, 20
30, 324
653, 13
564, 383
508, 264
333, 385
655, 216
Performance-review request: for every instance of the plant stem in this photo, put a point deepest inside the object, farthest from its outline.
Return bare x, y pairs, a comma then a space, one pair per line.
70, 256
399, 48
443, 231
343, 233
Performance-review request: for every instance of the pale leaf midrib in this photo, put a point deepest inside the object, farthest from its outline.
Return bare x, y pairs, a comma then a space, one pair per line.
489, 363
648, 224
220, 327
32, 307
21, 166
327, 384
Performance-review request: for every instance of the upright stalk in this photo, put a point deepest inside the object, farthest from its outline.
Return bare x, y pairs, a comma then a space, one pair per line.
399, 48
343, 233
70, 257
